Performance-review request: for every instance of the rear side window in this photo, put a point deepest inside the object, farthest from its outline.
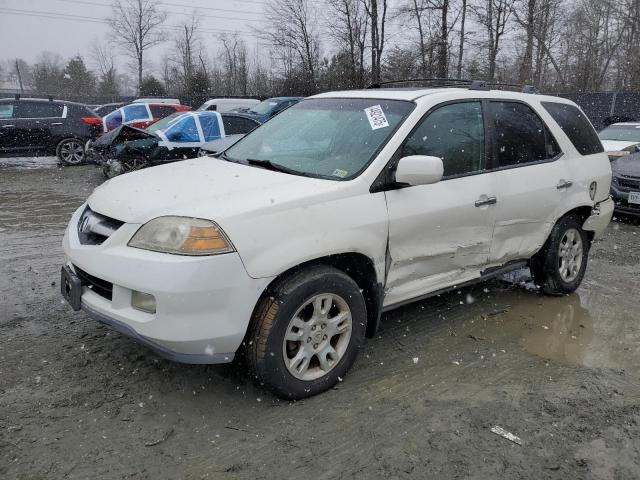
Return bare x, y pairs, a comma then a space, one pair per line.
184, 130
113, 120
520, 135
576, 126
161, 111
454, 133
6, 110
135, 112
210, 127
39, 110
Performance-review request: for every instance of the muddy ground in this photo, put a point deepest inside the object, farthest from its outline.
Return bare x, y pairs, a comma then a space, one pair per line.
78, 401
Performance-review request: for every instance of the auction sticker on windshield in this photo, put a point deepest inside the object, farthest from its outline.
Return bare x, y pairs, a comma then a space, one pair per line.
634, 197
376, 117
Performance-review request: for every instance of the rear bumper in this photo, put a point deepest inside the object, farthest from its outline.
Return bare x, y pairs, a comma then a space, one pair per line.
600, 217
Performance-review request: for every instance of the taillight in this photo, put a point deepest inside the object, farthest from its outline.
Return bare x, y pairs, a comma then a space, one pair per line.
92, 120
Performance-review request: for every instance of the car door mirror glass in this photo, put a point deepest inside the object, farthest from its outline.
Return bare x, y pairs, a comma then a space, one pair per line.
419, 170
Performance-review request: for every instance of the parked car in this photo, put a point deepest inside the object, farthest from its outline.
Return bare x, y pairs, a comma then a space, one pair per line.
223, 105
107, 108
625, 184
140, 115
621, 138
295, 240
176, 137
49, 127
270, 108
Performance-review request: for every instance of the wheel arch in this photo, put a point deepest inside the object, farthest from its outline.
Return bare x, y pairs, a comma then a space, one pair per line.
582, 212
360, 268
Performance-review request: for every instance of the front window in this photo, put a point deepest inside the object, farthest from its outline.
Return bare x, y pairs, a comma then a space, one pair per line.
264, 107
183, 130
329, 138
164, 123
6, 110
624, 133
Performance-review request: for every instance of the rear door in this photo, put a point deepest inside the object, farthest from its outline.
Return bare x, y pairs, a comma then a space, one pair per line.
41, 122
528, 176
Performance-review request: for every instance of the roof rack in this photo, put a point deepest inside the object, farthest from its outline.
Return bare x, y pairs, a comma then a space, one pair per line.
453, 83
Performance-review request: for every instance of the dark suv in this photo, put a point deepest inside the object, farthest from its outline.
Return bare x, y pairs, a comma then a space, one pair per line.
40, 126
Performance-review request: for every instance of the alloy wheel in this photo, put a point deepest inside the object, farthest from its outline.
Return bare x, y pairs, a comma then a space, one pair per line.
72, 152
570, 255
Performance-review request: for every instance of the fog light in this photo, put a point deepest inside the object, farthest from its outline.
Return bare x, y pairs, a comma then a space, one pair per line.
143, 301
592, 190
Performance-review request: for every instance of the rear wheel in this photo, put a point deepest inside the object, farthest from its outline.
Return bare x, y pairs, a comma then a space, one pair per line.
306, 332
561, 264
70, 151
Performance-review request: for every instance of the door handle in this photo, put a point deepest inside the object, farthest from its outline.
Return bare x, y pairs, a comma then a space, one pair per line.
564, 184
56, 123
486, 201
8, 126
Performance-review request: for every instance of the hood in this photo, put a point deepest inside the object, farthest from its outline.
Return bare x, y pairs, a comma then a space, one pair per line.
203, 188
124, 133
629, 166
616, 145
221, 144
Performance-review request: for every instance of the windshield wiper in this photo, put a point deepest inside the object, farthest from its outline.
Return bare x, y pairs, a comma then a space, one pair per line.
269, 165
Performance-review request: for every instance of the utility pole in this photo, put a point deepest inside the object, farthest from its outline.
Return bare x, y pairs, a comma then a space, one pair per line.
19, 76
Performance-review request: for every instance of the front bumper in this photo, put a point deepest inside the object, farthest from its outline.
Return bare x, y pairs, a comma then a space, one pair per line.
203, 304
600, 217
621, 200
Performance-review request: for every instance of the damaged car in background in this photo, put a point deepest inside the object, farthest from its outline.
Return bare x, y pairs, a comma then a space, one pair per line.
176, 137
140, 115
621, 139
625, 184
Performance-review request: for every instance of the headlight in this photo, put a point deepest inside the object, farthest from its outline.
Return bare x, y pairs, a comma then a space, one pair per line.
181, 236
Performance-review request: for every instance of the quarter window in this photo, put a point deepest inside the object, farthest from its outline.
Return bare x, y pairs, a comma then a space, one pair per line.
575, 125
454, 133
520, 135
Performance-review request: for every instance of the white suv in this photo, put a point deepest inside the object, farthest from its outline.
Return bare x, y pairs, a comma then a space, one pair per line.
348, 204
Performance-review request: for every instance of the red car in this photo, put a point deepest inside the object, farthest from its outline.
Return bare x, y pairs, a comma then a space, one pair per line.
140, 115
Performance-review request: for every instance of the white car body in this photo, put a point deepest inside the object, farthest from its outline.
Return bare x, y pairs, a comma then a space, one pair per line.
173, 101
223, 105
616, 145
419, 240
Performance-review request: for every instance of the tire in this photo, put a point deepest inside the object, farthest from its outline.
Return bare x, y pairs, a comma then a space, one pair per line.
134, 163
321, 299
559, 267
70, 151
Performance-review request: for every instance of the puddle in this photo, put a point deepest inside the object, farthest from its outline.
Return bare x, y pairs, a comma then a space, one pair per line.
587, 328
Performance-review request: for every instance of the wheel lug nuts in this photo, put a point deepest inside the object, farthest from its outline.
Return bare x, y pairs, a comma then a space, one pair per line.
315, 345
309, 340
324, 338
313, 328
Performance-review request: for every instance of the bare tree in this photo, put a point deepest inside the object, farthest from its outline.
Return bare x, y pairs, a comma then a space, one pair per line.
236, 71
348, 26
377, 12
494, 16
463, 15
292, 35
135, 24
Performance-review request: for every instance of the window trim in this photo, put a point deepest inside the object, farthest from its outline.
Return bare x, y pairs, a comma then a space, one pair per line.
494, 167
544, 103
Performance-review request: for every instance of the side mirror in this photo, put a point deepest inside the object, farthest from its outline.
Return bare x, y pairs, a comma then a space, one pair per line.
419, 170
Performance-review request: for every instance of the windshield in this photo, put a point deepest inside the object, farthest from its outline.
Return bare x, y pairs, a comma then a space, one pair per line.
331, 138
264, 107
164, 123
625, 133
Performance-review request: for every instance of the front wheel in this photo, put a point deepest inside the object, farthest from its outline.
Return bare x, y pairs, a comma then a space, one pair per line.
559, 267
70, 151
306, 332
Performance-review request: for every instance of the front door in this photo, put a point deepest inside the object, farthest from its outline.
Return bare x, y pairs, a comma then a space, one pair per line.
8, 140
440, 234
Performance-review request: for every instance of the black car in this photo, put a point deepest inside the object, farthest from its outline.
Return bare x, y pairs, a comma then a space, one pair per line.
40, 126
625, 184
176, 137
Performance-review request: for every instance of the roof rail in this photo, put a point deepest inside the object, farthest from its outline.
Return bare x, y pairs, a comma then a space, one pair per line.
455, 82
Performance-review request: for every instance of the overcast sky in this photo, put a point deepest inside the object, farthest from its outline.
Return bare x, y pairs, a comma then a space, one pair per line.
67, 27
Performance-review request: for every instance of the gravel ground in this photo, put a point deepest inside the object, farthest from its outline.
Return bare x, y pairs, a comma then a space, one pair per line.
78, 401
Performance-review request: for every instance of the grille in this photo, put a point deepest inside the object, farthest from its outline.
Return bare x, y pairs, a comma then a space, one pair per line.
101, 287
629, 183
94, 228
